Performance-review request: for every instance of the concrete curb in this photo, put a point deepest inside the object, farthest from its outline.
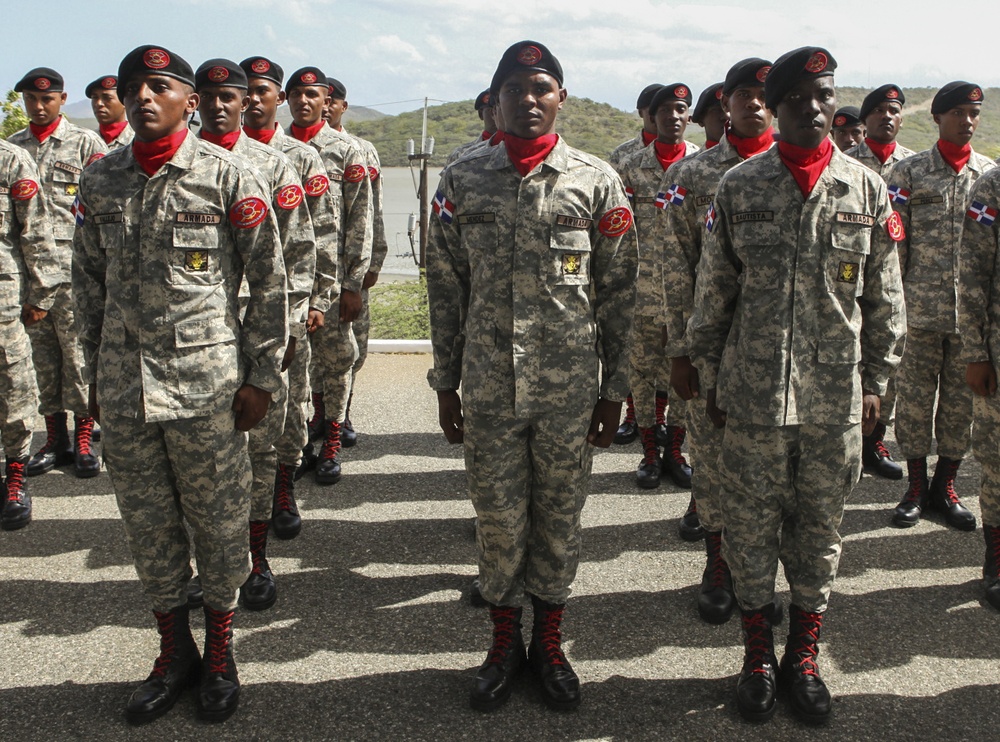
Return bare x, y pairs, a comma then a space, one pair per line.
399, 346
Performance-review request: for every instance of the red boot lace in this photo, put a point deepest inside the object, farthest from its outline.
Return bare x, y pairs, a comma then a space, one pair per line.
165, 625
651, 452
84, 432
503, 633
759, 644
808, 638
949, 483
993, 542
550, 637
15, 481
319, 410
881, 451
629, 411
676, 441
283, 487
331, 446
917, 476
50, 435
258, 545
219, 634
717, 565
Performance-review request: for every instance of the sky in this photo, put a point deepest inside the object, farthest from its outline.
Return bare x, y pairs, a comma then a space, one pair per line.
393, 54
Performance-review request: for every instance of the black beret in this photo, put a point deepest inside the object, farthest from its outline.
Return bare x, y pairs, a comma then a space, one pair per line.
646, 96
153, 60
306, 76
40, 80
710, 96
482, 100
846, 116
526, 55
748, 73
955, 94
675, 91
888, 92
803, 63
337, 89
108, 82
263, 67
222, 72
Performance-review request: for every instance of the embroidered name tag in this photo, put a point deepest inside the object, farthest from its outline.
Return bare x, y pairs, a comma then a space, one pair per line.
925, 200
187, 217
337, 177
112, 218
477, 218
573, 221
645, 199
68, 168
753, 216
864, 220
4, 191
704, 200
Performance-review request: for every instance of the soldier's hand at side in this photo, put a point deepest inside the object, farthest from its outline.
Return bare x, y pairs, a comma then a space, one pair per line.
350, 305
250, 405
684, 377
286, 361
30, 315
604, 423
450, 416
92, 406
370, 280
663, 337
314, 321
981, 378
871, 409
717, 416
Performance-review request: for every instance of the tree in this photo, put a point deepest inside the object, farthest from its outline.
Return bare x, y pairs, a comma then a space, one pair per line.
14, 117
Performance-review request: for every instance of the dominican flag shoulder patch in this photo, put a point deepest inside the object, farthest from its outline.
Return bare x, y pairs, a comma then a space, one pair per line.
444, 208
710, 217
898, 195
79, 212
982, 213
630, 192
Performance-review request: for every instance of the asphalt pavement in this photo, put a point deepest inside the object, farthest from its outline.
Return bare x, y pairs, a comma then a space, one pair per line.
372, 637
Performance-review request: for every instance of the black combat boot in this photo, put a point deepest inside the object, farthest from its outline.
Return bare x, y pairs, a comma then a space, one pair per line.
476, 594
309, 459
991, 566
875, 456
907, 512
943, 498
628, 431
662, 431
757, 687
259, 592
495, 678
674, 464
689, 527
328, 467
16, 506
317, 423
647, 476
560, 684
85, 461
348, 436
176, 669
57, 449
716, 600
219, 692
195, 593
799, 673
285, 518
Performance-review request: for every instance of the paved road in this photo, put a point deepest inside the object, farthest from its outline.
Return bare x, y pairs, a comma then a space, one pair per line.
371, 638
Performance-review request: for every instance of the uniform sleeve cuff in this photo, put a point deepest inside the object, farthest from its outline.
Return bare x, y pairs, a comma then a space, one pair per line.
443, 380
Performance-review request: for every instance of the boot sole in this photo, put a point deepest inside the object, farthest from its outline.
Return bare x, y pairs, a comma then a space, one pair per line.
137, 719
16, 525
286, 535
327, 479
86, 473
806, 717
903, 523
757, 716
647, 485
487, 706
690, 534
217, 716
259, 606
716, 619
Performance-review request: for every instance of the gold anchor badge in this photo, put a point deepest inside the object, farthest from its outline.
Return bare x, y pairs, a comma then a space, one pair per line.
196, 260
571, 264
848, 273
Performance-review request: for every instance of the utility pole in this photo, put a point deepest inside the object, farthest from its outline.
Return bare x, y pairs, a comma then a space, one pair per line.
426, 150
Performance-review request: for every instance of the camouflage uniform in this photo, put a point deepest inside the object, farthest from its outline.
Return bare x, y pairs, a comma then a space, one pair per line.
529, 299
678, 231
122, 140
54, 341
299, 256
29, 273
164, 344
626, 149
649, 366
784, 287
931, 199
325, 288
335, 348
979, 326
463, 149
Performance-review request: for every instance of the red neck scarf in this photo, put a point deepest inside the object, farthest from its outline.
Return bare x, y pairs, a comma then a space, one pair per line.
226, 141
954, 155
527, 153
709, 143
307, 133
486, 135
110, 132
261, 135
151, 156
882, 151
497, 138
647, 138
43, 132
668, 154
747, 147
806, 165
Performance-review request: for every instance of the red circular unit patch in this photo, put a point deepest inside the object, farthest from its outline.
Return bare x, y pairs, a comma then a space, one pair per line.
680, 92
43, 83
616, 222
892, 93
355, 173
23, 190
248, 213
373, 173
762, 73
317, 185
260, 65
289, 197
976, 94
308, 78
894, 226
218, 74
94, 158
109, 83
817, 62
529, 55
156, 59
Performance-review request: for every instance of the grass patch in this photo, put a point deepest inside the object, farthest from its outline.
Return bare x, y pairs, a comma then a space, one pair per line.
399, 311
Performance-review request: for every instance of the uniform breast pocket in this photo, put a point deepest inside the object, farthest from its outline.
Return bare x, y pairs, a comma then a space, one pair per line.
569, 257
195, 256
846, 265
64, 186
479, 242
206, 355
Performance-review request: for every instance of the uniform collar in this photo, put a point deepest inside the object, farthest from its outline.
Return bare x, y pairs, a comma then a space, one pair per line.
183, 158
941, 164
557, 159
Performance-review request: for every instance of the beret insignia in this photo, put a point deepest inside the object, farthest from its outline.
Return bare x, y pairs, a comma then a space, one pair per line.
248, 213
817, 63
355, 173
529, 55
23, 190
974, 94
892, 93
317, 185
260, 65
840, 121
762, 73
308, 78
156, 59
680, 91
616, 222
289, 197
718, 94
108, 83
218, 74
43, 83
